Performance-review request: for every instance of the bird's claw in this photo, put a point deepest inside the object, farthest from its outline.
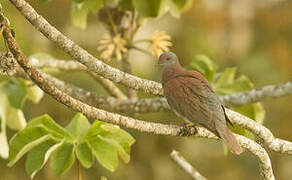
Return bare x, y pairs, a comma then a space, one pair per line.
189, 129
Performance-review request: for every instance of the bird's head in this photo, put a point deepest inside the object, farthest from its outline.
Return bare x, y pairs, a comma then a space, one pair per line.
167, 59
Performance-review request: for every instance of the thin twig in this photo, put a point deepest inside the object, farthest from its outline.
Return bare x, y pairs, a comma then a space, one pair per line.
186, 166
252, 96
73, 65
111, 88
141, 50
132, 94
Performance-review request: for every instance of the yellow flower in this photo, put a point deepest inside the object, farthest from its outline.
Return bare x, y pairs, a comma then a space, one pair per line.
160, 43
112, 46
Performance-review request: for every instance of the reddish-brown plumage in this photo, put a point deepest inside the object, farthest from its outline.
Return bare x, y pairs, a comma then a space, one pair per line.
190, 96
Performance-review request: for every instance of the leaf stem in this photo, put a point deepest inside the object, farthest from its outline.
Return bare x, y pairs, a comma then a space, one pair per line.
79, 170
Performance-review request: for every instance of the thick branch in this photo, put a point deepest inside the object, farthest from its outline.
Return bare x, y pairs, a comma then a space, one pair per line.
82, 56
186, 166
266, 171
262, 132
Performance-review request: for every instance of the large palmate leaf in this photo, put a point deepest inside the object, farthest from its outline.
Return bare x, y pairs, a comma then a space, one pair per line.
13, 94
43, 138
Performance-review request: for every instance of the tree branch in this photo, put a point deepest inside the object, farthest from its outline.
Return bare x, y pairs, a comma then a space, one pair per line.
262, 132
73, 65
186, 166
252, 96
111, 88
82, 56
132, 93
140, 105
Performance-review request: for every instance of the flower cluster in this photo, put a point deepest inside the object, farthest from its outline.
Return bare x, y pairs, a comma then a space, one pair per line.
160, 42
110, 46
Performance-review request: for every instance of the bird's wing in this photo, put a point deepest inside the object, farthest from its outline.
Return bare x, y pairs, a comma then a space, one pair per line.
187, 96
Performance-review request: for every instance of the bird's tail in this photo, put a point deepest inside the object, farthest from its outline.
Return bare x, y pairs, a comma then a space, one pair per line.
229, 139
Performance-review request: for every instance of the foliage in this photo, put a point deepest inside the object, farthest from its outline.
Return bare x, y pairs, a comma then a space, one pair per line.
150, 8
42, 139
13, 94
224, 83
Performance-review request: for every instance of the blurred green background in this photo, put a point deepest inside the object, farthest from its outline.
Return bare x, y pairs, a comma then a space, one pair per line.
255, 36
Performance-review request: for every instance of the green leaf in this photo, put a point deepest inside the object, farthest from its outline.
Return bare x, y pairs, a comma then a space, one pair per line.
104, 152
78, 125
15, 118
240, 84
181, 4
15, 90
35, 94
121, 151
79, 16
119, 135
103, 178
80, 11
113, 135
3, 139
39, 155
84, 155
254, 111
62, 158
149, 8
205, 66
125, 4
226, 78
50, 125
24, 141
93, 130
78, 1
175, 6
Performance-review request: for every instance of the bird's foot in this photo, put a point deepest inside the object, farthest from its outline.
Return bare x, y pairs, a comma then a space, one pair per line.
189, 129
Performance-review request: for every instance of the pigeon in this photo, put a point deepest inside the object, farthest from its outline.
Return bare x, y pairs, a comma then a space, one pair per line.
191, 97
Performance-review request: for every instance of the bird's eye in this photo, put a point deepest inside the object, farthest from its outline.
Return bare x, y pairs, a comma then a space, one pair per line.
167, 59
